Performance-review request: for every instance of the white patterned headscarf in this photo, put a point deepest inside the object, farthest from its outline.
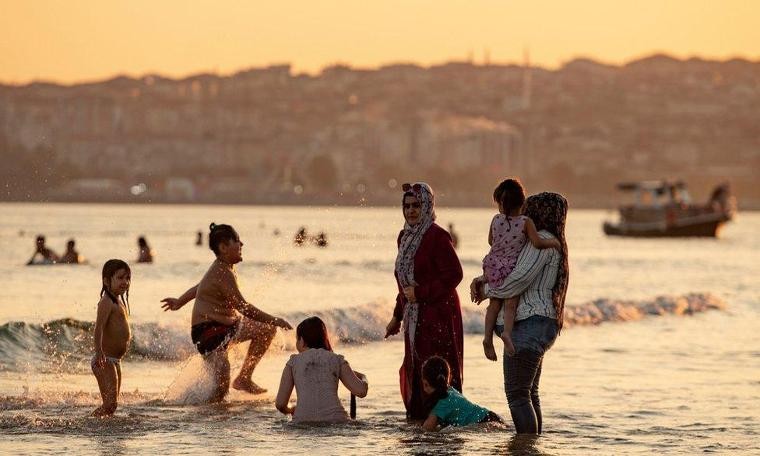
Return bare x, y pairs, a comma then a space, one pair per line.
412, 237
407, 249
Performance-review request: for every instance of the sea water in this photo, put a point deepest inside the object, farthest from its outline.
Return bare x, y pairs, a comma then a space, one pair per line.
661, 352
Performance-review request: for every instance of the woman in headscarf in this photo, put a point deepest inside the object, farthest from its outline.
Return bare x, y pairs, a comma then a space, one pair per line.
427, 272
540, 278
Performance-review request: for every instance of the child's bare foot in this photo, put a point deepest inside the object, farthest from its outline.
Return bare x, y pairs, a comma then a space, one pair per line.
509, 347
248, 386
103, 411
489, 350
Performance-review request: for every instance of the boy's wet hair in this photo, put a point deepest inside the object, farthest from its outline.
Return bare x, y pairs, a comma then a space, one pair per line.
437, 372
219, 234
511, 194
314, 333
110, 268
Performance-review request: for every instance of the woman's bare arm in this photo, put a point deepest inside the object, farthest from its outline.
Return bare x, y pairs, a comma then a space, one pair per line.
284, 392
352, 382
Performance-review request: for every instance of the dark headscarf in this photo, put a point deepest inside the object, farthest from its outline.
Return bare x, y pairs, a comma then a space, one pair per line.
549, 212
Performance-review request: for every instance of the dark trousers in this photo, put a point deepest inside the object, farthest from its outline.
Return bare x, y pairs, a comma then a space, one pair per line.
532, 337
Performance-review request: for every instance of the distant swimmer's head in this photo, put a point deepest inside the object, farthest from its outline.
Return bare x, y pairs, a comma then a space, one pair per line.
312, 333
116, 277
225, 242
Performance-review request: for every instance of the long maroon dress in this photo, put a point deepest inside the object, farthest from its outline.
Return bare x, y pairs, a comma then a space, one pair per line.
437, 272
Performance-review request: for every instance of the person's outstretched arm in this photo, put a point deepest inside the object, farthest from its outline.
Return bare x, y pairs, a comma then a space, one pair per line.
286, 389
352, 382
537, 241
31, 260
177, 303
229, 287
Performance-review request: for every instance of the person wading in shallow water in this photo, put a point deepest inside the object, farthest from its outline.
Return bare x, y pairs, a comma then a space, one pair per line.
427, 273
540, 278
221, 316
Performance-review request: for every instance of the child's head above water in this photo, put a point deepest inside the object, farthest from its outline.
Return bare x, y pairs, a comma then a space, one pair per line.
116, 277
436, 376
312, 333
510, 196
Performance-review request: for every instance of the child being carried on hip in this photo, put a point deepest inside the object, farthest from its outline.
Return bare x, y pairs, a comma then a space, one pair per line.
508, 234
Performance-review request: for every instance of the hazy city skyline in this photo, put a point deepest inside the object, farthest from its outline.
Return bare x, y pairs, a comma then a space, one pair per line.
87, 40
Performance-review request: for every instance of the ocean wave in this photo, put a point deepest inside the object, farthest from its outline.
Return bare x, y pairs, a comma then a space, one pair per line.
66, 344
607, 310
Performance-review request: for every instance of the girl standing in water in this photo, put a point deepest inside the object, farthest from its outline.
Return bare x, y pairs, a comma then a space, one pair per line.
112, 333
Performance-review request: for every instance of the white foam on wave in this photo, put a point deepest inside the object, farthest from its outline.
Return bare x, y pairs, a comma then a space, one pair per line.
65, 345
618, 310
606, 310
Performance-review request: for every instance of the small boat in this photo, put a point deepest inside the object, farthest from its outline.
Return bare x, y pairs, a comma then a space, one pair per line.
664, 209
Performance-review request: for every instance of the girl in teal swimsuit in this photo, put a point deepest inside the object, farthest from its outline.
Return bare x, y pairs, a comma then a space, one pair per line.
451, 408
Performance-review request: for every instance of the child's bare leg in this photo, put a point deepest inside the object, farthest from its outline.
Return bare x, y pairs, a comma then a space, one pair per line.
261, 337
118, 376
220, 365
492, 312
510, 307
108, 383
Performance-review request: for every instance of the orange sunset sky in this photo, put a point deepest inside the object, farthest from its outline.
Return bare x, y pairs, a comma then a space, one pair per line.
82, 40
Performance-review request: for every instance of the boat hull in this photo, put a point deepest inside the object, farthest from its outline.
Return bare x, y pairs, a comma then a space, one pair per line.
700, 229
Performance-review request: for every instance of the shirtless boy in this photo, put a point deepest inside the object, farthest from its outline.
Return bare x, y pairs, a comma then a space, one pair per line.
221, 315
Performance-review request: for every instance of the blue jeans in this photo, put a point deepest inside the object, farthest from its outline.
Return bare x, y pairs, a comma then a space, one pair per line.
532, 337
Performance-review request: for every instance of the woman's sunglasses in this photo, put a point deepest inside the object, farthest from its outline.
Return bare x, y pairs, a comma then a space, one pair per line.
407, 187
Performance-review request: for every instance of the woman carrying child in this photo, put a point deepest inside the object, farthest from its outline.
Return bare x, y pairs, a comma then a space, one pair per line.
314, 372
540, 279
112, 334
